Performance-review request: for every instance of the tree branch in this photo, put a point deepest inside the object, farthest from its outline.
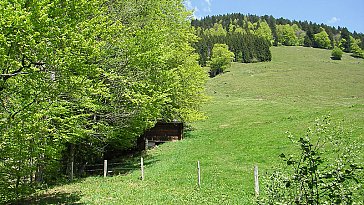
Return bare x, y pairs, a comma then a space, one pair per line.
8, 75
26, 106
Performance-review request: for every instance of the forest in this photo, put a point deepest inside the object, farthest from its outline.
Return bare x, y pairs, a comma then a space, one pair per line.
250, 36
83, 76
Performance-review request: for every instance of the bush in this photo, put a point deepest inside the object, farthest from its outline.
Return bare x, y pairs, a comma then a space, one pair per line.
328, 170
336, 53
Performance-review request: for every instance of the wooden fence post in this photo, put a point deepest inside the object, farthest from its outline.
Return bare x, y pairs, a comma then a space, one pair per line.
146, 143
142, 167
198, 173
71, 171
105, 168
256, 180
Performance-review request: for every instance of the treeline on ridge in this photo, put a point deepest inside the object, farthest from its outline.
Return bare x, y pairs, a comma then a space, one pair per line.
249, 36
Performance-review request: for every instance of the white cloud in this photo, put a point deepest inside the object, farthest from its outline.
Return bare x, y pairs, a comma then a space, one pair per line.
195, 10
333, 20
189, 6
202, 7
208, 8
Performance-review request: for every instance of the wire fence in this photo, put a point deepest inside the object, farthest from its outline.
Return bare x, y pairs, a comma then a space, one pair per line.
118, 168
108, 169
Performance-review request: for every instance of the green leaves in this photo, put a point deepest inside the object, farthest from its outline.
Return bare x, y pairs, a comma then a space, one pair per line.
45, 64
264, 31
221, 59
286, 35
355, 49
322, 39
336, 53
91, 74
327, 170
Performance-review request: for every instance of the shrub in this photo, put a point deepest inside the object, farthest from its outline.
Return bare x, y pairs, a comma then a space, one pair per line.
328, 170
336, 53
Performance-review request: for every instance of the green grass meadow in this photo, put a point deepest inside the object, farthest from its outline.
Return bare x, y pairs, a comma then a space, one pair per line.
251, 108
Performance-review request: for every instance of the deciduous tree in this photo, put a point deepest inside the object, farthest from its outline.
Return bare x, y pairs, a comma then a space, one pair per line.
286, 35
322, 39
265, 32
92, 74
221, 59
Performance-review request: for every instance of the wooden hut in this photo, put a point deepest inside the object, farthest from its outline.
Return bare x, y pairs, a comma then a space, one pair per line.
162, 132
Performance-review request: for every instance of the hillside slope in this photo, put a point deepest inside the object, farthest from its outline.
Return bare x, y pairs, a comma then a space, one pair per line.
251, 108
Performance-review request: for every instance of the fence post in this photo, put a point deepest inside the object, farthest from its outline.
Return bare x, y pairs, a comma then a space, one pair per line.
198, 173
105, 168
142, 167
256, 180
71, 171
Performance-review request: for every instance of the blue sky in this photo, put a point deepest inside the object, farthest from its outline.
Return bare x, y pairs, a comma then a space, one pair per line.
347, 13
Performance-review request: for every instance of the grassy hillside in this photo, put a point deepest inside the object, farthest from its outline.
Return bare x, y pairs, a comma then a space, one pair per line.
251, 108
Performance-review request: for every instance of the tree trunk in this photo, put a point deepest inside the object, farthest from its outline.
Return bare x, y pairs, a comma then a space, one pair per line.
40, 168
71, 158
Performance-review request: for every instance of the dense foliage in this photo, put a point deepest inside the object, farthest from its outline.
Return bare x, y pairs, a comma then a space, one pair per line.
277, 32
221, 59
355, 49
322, 39
248, 46
77, 77
336, 53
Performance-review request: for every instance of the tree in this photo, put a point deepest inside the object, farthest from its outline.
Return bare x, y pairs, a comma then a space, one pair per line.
300, 34
265, 32
217, 30
345, 40
221, 59
43, 72
90, 74
307, 41
355, 49
304, 31
322, 39
245, 46
286, 35
336, 39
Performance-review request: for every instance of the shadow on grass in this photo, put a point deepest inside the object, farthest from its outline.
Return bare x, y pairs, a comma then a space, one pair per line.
50, 198
335, 58
130, 164
117, 166
120, 165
